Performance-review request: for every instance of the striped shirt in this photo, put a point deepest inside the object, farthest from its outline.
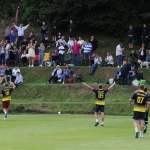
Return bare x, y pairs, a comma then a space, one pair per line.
87, 48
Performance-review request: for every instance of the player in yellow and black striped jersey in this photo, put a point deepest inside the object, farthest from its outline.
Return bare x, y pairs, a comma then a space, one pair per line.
140, 103
6, 97
147, 111
100, 94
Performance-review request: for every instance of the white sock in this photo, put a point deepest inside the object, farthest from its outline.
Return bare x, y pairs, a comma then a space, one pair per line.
102, 123
141, 134
136, 129
5, 112
97, 120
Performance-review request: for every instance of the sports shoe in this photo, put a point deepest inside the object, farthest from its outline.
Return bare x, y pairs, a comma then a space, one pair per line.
145, 129
137, 135
96, 124
141, 135
5, 116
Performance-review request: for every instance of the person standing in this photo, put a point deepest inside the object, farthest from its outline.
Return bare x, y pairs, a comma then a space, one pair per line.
6, 97
41, 54
140, 103
76, 53
87, 49
147, 112
119, 55
94, 43
44, 31
31, 53
130, 37
21, 32
145, 36
2, 53
100, 94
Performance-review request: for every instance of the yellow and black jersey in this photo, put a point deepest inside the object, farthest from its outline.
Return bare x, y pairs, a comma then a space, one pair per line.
140, 99
100, 96
6, 93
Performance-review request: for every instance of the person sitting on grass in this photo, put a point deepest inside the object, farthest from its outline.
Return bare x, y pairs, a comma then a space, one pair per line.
66, 74
19, 79
56, 75
109, 60
97, 61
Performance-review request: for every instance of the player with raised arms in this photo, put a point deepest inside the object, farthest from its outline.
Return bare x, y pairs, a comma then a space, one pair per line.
100, 93
7, 88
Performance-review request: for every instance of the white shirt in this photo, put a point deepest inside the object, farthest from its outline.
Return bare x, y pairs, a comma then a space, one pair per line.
109, 59
2, 50
21, 30
81, 42
19, 78
70, 43
58, 72
119, 50
23, 55
61, 42
14, 71
142, 52
87, 48
7, 47
61, 49
97, 60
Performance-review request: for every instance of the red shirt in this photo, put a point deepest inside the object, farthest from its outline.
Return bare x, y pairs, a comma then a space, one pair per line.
76, 49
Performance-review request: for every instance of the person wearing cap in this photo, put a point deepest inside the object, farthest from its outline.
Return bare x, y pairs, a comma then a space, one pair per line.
140, 102
100, 94
6, 97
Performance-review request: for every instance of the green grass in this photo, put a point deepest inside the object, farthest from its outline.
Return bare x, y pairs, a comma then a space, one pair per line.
68, 132
36, 95
68, 98
41, 75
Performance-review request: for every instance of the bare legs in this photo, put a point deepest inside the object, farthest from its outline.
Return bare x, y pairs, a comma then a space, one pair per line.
139, 128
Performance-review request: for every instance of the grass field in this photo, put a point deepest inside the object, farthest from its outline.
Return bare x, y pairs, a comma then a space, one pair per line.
68, 132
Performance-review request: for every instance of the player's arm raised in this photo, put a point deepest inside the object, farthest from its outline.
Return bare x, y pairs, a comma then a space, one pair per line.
111, 86
85, 84
131, 100
12, 85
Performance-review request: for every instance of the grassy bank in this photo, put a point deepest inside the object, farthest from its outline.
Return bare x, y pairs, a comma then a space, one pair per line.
40, 75
68, 99
36, 95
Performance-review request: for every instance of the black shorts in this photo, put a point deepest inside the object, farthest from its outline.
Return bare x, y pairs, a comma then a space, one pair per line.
138, 115
99, 108
146, 116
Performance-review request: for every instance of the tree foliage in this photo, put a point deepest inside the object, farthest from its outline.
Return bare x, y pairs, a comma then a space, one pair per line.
107, 16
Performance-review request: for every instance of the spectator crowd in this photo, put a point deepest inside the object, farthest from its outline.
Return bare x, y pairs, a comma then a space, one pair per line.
11, 75
21, 47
